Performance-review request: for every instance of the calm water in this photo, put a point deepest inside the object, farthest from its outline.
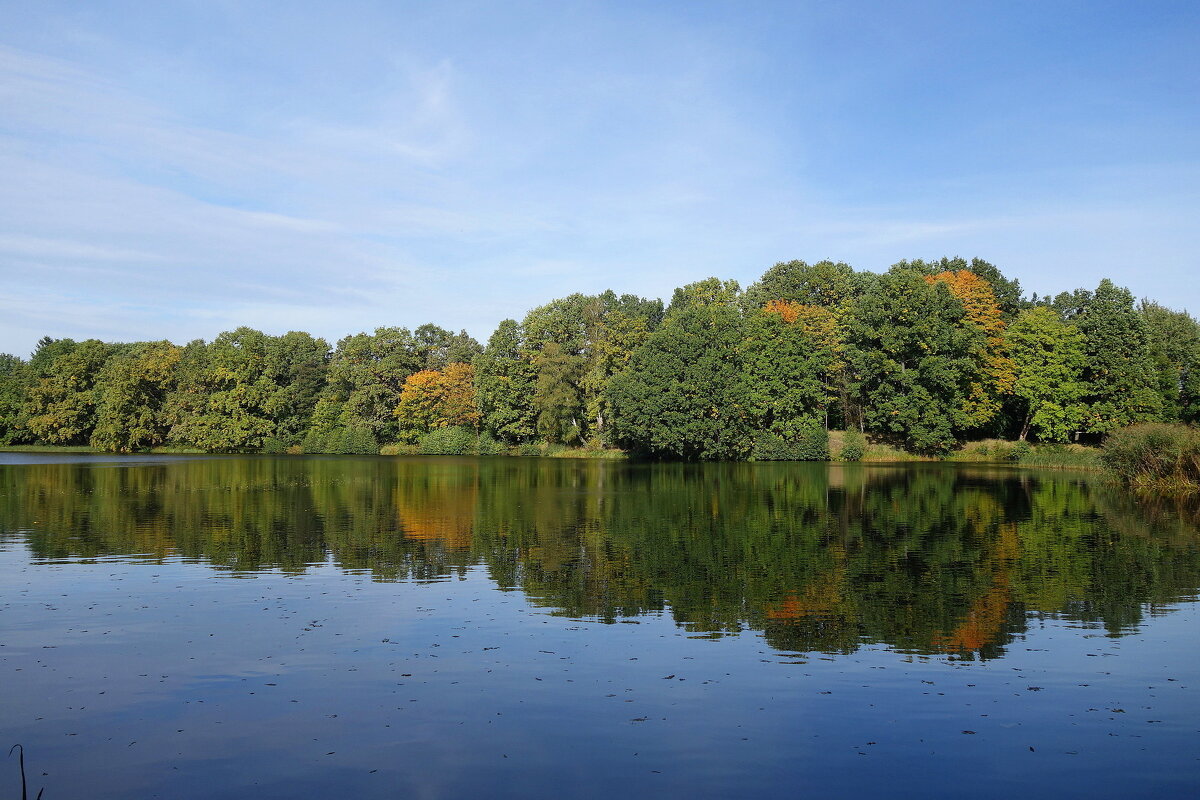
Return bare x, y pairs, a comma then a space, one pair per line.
370, 627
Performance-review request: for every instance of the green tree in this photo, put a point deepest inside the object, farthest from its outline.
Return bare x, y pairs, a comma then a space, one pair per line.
677, 397
504, 384
1120, 371
437, 347
558, 398
1048, 359
13, 376
1007, 291
366, 375
826, 284
1175, 350
913, 359
62, 393
221, 402
791, 359
133, 388
297, 365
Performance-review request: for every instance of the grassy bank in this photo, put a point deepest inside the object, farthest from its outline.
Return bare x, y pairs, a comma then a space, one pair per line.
990, 451
1052, 456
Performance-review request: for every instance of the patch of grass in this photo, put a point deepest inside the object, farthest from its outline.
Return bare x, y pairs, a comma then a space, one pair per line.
1048, 456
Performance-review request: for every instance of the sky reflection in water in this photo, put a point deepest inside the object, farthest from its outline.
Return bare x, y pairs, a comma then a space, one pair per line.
535, 628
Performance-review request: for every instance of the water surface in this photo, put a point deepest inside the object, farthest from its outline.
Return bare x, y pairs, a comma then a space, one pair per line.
192, 627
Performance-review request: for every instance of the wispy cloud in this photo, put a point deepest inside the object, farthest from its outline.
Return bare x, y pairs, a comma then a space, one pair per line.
378, 168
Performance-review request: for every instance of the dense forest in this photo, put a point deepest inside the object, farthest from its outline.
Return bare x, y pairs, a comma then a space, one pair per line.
925, 356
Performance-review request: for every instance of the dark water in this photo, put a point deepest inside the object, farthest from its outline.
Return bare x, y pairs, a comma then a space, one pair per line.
426, 628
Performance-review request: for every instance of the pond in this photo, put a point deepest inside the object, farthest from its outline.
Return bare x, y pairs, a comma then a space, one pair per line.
315, 627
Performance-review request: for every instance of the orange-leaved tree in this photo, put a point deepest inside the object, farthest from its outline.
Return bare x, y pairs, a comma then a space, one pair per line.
435, 398
996, 370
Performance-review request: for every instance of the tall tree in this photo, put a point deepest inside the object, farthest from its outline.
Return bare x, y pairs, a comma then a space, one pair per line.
912, 360
436, 347
791, 359
434, 399
366, 375
827, 284
1175, 350
678, 395
133, 388
504, 385
1048, 359
62, 392
996, 369
13, 375
1120, 371
221, 400
297, 365
1007, 291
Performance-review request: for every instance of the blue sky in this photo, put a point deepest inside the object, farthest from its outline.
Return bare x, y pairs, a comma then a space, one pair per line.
175, 169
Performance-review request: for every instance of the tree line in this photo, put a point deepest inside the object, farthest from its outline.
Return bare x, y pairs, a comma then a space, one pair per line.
925, 355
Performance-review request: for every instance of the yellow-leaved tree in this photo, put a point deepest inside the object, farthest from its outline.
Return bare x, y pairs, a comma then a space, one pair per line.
435, 398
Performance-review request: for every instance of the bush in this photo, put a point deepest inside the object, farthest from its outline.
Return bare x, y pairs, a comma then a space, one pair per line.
274, 446
314, 441
1155, 456
489, 447
1020, 451
358, 442
341, 441
452, 441
811, 445
854, 447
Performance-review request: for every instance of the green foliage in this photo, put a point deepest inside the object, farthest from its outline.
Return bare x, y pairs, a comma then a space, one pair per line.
558, 400
912, 360
920, 357
504, 385
826, 284
1048, 357
133, 387
222, 394
1175, 352
61, 393
790, 369
1119, 370
812, 444
1020, 451
367, 373
13, 377
1008, 292
487, 446
677, 397
452, 441
1155, 456
274, 446
854, 447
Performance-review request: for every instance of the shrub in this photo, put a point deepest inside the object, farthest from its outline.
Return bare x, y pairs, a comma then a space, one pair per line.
274, 446
1019, 451
488, 446
451, 441
314, 441
1155, 456
359, 442
854, 447
811, 445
